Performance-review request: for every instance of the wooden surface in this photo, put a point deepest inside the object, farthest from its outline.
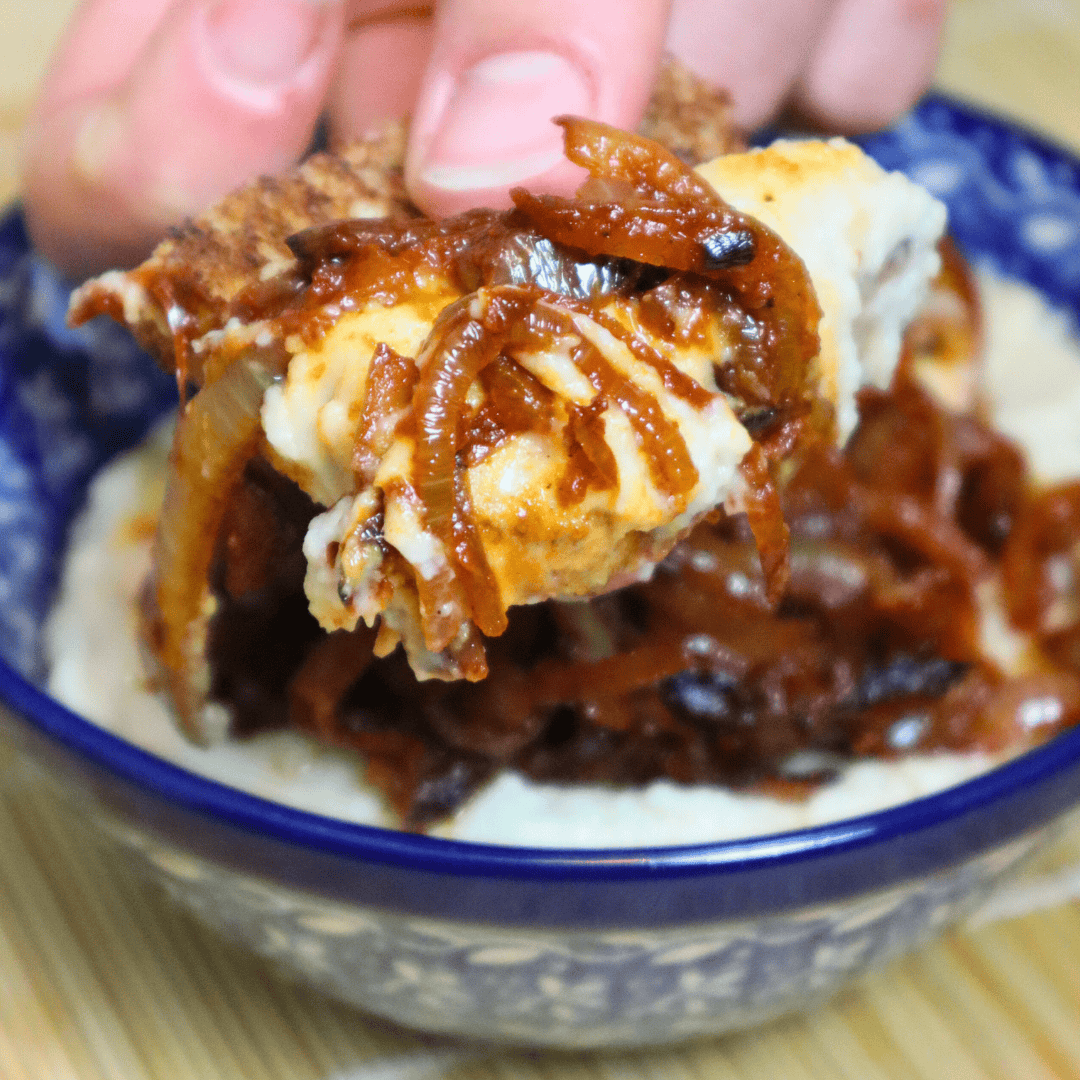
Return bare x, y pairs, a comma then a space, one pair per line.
100, 979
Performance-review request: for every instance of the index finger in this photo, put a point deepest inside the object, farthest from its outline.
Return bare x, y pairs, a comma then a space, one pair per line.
139, 126
98, 49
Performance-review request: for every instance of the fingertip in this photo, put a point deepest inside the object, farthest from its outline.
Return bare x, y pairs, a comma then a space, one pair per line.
483, 121
873, 62
753, 49
442, 191
496, 131
366, 90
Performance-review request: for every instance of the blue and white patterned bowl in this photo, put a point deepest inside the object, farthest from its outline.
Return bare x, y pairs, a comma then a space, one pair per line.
580, 948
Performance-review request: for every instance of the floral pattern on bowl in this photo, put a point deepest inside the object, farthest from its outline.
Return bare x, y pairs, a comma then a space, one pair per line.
572, 989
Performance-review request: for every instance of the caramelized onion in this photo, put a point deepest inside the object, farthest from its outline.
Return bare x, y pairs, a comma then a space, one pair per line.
677, 222
590, 462
875, 646
675, 381
462, 343
515, 401
388, 392
329, 669
670, 466
915, 523
527, 258
610, 677
1045, 534
988, 712
765, 515
216, 434
949, 329
478, 581
479, 248
619, 156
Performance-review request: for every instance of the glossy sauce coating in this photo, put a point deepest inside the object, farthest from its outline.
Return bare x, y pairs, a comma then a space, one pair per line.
873, 650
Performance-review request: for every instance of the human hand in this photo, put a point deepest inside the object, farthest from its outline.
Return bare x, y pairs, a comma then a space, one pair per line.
153, 109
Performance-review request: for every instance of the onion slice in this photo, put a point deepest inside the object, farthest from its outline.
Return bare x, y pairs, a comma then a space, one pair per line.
679, 222
217, 433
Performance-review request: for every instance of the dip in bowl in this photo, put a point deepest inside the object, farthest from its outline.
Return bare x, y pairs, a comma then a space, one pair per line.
575, 947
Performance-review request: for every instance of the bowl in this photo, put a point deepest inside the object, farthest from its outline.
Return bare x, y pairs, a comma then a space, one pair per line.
579, 948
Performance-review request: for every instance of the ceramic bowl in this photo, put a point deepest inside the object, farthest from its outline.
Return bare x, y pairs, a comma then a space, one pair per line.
560, 948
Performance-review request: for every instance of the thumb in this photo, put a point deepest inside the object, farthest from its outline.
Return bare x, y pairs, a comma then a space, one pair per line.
499, 72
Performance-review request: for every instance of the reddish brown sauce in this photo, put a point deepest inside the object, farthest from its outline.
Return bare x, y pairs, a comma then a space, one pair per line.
695, 676
590, 461
390, 387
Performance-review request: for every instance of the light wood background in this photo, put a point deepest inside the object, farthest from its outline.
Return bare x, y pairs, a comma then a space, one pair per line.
101, 980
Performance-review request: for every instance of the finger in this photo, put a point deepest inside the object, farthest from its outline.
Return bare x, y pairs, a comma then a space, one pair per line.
755, 49
497, 75
220, 90
93, 55
382, 59
873, 61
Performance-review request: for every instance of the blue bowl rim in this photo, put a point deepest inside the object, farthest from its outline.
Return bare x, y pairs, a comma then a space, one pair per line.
367, 843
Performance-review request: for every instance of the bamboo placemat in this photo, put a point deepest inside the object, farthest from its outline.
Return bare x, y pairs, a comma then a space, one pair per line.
101, 979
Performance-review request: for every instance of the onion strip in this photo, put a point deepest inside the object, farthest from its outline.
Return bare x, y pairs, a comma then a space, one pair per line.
216, 434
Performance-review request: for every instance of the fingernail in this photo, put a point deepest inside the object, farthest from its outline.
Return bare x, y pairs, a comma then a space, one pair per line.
99, 142
256, 50
496, 128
